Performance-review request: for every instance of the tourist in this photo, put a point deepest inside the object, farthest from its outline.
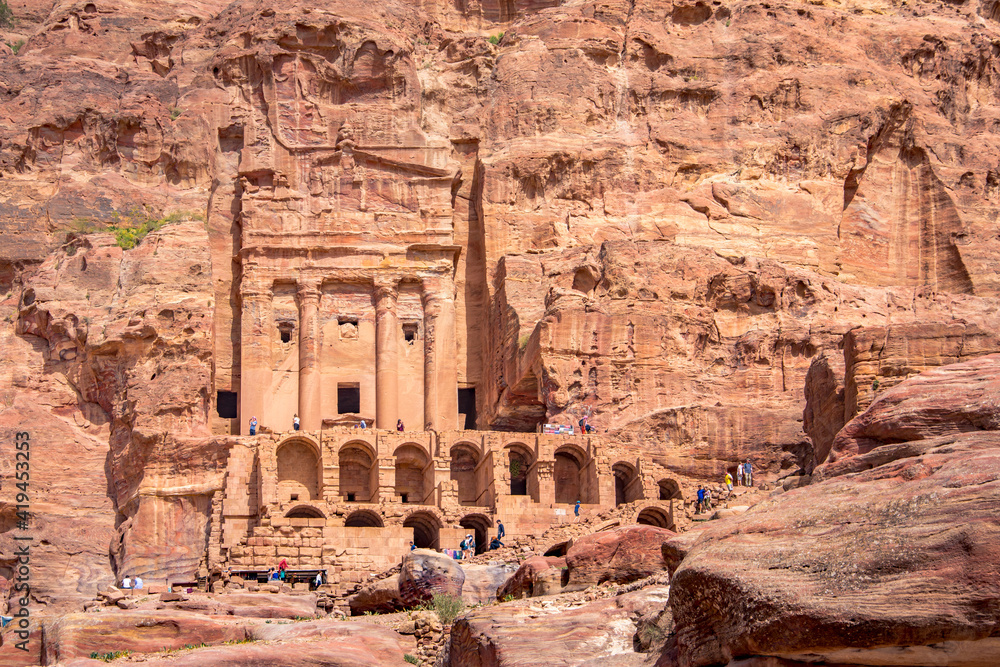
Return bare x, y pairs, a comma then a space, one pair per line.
739, 475
295, 422
253, 425
412, 545
319, 579
700, 507
472, 546
576, 510
729, 482
748, 473
463, 547
500, 531
127, 582
708, 499
495, 544
137, 584
399, 425
468, 546
362, 424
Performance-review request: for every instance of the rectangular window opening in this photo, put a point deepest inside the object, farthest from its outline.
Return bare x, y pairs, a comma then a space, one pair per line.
404, 496
410, 332
467, 406
226, 404
295, 496
350, 497
348, 398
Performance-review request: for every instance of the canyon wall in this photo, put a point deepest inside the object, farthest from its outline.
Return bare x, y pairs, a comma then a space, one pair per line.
716, 228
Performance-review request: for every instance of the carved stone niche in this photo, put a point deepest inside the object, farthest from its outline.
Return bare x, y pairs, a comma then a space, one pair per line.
286, 332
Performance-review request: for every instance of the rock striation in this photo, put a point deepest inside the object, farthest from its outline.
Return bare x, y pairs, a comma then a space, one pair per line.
818, 573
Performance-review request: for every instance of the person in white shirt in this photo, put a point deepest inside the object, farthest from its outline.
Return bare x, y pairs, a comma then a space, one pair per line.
127, 582
137, 585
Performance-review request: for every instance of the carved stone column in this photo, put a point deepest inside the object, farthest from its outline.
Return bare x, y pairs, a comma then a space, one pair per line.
440, 362
255, 351
386, 354
309, 373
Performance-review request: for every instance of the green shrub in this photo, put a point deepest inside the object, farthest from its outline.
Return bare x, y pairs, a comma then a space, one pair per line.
175, 112
16, 46
447, 607
6, 16
495, 39
131, 227
412, 659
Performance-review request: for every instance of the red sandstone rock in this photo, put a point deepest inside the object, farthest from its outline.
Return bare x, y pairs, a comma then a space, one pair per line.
598, 633
538, 575
380, 598
894, 561
482, 582
424, 574
618, 555
957, 398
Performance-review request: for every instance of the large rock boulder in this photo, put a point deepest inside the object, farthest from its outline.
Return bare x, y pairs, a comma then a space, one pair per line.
319, 644
382, 597
620, 555
538, 575
555, 635
483, 581
425, 573
893, 565
79, 635
943, 401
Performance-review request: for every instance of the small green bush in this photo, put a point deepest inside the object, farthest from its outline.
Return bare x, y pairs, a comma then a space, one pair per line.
175, 112
495, 39
412, 659
6, 16
131, 227
16, 46
447, 607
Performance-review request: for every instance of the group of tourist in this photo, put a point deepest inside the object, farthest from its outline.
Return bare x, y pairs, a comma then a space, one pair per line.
132, 583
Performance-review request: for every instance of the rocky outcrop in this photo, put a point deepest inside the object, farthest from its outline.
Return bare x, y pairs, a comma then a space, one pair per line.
537, 576
318, 644
559, 634
425, 573
379, 598
482, 582
619, 555
904, 513
957, 398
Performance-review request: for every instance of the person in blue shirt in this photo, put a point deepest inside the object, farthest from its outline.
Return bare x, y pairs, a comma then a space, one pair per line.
701, 501
576, 510
500, 531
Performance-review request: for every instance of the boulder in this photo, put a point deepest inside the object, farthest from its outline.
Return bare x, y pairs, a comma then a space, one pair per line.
483, 581
619, 555
79, 635
380, 598
599, 633
538, 575
263, 605
892, 565
952, 399
425, 573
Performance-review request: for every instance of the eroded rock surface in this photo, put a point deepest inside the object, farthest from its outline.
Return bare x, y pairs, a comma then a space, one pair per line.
820, 572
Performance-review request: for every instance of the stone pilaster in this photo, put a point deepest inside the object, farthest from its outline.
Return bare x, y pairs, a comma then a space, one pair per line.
440, 354
386, 354
309, 372
255, 351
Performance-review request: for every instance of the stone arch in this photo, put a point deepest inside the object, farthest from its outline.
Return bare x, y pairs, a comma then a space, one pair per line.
411, 464
655, 516
464, 460
522, 464
363, 519
669, 490
298, 470
568, 474
627, 485
356, 461
480, 524
426, 529
305, 512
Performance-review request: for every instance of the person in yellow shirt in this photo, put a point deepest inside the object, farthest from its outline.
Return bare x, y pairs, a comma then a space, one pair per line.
729, 483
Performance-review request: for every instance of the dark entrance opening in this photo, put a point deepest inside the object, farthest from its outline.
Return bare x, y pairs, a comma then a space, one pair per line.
348, 398
226, 404
467, 406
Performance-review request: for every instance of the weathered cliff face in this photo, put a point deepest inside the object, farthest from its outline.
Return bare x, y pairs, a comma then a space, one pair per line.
111, 369
670, 214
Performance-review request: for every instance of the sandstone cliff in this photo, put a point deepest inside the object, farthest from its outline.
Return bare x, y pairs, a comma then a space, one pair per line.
687, 218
